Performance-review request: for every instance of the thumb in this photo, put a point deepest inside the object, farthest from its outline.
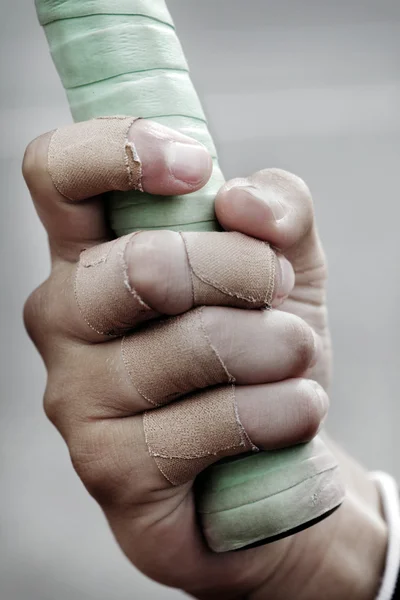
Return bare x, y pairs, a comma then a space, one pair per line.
276, 206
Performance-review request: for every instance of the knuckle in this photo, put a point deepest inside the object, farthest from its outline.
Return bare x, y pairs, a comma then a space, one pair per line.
45, 313
59, 402
34, 315
29, 161
34, 162
312, 406
300, 339
69, 399
53, 402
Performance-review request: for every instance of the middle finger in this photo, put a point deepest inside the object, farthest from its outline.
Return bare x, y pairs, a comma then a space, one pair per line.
173, 357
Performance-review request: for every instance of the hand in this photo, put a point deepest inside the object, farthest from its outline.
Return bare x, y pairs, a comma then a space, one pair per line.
92, 400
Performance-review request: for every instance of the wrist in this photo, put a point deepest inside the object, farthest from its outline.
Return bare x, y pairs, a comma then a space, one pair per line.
355, 559
389, 492
341, 557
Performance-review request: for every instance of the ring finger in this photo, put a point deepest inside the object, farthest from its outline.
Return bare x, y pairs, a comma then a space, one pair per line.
151, 453
168, 359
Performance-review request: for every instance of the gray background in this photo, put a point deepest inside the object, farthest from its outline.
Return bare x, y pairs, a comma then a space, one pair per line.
310, 86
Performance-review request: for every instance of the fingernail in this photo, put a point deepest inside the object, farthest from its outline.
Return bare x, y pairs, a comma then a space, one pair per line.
317, 349
270, 199
286, 279
190, 163
323, 399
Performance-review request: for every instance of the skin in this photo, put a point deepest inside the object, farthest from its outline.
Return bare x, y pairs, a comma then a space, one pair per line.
281, 402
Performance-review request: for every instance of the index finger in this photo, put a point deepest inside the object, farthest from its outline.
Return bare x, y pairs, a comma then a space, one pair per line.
66, 170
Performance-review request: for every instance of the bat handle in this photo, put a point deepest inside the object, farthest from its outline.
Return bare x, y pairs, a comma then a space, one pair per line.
131, 62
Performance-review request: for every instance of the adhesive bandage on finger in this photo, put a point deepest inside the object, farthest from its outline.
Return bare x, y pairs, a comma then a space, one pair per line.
187, 436
230, 269
173, 357
107, 302
94, 157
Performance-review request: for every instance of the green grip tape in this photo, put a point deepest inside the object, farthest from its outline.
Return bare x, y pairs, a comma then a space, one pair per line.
123, 57
131, 62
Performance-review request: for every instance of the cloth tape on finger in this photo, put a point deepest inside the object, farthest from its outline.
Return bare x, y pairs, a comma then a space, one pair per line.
187, 436
172, 357
231, 269
166, 360
94, 157
228, 269
107, 302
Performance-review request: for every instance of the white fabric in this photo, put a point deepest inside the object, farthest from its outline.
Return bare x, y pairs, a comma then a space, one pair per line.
391, 507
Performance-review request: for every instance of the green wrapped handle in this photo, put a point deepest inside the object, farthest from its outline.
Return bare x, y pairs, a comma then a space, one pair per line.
130, 62
123, 57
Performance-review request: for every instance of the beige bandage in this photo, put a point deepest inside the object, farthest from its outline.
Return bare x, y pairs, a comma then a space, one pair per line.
187, 436
94, 157
230, 269
107, 302
241, 271
173, 357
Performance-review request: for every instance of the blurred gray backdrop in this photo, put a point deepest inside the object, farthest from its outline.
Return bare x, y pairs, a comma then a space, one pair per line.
312, 86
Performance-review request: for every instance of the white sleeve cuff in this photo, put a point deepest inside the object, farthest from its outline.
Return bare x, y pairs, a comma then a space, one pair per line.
391, 509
